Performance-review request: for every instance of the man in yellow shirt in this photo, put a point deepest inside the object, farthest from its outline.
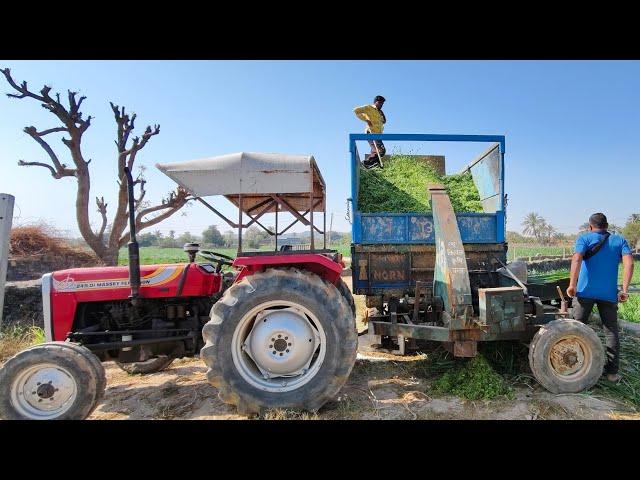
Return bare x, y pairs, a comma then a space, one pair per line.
374, 116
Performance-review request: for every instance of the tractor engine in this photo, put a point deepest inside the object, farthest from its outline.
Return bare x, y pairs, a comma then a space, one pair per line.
92, 306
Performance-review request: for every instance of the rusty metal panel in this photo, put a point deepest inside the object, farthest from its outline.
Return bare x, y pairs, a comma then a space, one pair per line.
384, 228
465, 348
502, 309
421, 259
410, 228
389, 269
451, 278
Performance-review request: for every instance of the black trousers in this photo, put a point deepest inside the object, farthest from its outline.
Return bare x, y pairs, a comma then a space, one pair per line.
609, 315
381, 149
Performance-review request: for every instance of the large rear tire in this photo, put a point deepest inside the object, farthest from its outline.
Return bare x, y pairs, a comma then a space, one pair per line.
283, 338
566, 356
50, 381
348, 296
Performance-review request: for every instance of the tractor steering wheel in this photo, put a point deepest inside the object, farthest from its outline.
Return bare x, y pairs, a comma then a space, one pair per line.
219, 258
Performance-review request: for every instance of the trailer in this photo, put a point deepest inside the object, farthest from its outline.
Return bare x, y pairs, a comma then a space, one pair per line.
443, 277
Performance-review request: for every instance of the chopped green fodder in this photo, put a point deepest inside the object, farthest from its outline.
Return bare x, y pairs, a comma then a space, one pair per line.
401, 187
473, 379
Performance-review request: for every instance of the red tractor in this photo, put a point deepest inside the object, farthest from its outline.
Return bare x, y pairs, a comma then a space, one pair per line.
278, 330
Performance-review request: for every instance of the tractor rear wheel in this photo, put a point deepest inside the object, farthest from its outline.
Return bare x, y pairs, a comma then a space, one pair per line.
348, 296
50, 381
566, 356
282, 338
152, 365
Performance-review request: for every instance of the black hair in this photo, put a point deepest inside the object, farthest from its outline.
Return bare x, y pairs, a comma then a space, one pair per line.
379, 98
599, 221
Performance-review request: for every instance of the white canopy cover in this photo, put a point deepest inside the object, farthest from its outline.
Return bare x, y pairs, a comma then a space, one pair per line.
245, 173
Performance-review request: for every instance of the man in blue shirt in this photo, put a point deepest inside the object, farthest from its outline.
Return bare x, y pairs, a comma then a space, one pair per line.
594, 280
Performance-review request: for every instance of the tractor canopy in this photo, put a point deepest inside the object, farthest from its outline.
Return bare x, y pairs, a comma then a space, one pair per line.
255, 177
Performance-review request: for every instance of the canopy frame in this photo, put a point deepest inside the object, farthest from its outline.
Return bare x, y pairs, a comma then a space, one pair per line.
302, 205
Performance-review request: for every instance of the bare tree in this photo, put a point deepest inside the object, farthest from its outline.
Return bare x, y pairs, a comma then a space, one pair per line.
106, 243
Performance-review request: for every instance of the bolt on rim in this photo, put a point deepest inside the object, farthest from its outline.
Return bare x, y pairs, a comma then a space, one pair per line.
278, 346
570, 358
43, 391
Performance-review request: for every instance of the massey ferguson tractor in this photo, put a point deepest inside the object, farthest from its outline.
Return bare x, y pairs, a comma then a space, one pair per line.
276, 331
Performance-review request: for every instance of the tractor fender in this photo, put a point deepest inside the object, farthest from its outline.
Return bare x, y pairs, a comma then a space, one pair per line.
323, 266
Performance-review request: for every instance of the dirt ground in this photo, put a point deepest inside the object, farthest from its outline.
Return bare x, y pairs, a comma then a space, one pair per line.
381, 386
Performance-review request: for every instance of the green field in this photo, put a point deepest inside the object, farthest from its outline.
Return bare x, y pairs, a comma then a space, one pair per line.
151, 255
516, 251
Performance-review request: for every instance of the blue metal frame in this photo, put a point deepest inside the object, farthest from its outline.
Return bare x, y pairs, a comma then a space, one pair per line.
420, 137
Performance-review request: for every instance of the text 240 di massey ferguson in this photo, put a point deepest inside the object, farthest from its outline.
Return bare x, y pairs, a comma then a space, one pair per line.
277, 331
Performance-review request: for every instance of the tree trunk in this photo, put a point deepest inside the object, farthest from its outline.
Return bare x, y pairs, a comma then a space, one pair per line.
110, 256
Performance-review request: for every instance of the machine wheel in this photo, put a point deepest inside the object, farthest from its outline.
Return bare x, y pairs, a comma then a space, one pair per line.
566, 356
283, 338
346, 293
101, 376
51, 381
155, 364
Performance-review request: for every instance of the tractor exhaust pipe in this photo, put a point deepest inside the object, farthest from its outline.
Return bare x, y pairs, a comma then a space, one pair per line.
134, 251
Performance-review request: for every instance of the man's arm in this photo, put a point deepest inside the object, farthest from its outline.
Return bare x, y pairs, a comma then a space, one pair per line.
362, 113
576, 262
627, 265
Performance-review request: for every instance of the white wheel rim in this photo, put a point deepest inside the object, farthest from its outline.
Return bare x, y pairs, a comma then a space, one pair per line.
44, 391
290, 330
570, 358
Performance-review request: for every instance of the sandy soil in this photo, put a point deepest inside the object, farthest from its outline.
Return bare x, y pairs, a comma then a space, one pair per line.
381, 386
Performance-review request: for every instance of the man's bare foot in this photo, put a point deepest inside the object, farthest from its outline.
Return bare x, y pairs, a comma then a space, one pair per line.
614, 377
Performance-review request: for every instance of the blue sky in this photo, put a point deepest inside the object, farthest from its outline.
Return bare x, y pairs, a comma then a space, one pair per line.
571, 127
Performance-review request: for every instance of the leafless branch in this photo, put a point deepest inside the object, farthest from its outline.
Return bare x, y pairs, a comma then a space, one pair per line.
54, 174
61, 169
102, 208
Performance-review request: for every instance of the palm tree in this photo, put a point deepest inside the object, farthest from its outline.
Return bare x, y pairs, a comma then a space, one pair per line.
633, 218
532, 224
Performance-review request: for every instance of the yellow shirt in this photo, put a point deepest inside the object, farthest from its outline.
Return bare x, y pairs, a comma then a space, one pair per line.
371, 113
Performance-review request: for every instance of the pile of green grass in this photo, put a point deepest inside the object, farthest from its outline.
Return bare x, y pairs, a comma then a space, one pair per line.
474, 379
401, 187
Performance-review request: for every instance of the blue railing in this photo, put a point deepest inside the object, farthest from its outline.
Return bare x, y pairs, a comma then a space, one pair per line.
417, 228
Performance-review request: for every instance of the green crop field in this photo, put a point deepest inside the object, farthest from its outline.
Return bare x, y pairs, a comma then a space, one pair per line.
629, 310
518, 251
151, 255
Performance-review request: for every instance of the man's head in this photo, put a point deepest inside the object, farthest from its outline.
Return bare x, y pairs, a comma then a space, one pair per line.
378, 101
598, 221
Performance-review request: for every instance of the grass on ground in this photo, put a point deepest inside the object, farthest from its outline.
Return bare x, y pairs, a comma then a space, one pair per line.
15, 338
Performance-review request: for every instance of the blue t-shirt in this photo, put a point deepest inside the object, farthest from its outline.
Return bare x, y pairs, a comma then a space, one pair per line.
599, 275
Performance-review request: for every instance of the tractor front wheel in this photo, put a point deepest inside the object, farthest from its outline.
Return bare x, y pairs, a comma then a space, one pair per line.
282, 338
566, 356
51, 381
